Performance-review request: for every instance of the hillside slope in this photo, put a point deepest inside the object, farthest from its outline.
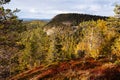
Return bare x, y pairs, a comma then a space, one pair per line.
92, 52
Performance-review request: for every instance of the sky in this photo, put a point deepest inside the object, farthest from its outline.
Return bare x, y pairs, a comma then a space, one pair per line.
47, 9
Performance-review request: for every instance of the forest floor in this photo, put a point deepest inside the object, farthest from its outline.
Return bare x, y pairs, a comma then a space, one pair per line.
76, 69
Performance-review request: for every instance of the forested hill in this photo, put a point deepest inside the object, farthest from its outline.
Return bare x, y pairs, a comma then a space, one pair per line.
73, 19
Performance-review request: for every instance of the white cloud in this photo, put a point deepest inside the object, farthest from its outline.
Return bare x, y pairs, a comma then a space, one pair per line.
50, 8
95, 8
33, 10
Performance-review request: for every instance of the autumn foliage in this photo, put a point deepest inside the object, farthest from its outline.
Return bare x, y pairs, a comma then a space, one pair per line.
85, 50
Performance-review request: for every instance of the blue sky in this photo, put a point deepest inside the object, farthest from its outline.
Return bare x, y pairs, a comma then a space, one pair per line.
46, 9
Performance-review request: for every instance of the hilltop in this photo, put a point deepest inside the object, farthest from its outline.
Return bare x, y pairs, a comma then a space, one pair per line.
72, 19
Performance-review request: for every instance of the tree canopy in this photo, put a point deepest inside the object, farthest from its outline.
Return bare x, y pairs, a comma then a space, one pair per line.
117, 11
4, 1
